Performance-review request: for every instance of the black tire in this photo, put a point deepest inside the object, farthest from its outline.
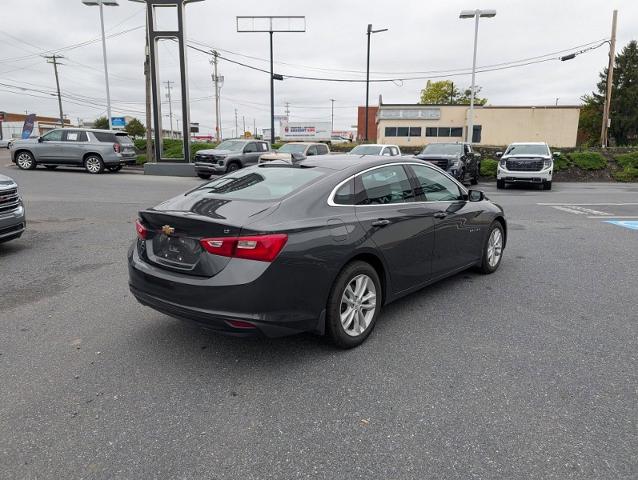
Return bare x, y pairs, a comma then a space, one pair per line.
334, 326
233, 166
114, 168
547, 185
25, 161
204, 176
50, 167
500, 184
486, 266
93, 164
475, 177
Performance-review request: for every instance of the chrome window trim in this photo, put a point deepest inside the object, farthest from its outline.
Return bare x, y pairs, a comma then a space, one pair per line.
331, 202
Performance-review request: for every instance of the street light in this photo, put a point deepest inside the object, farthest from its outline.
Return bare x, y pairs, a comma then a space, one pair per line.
476, 14
369, 32
108, 3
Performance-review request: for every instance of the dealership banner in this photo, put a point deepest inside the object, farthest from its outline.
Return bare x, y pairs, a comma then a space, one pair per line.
27, 128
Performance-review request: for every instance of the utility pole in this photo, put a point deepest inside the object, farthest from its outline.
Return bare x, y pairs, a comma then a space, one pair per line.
368, 33
288, 110
217, 79
236, 126
332, 115
254, 128
150, 151
54, 60
170, 104
451, 92
610, 81
243, 118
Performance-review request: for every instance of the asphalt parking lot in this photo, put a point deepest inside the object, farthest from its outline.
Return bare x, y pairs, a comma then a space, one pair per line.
528, 373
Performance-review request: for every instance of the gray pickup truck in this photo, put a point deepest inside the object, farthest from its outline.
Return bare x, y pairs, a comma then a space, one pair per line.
228, 156
12, 217
94, 150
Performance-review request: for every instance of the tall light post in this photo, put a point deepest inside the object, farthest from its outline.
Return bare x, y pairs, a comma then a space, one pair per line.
100, 3
332, 115
475, 14
369, 32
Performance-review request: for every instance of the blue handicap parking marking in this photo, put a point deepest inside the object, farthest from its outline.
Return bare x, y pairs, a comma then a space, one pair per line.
631, 224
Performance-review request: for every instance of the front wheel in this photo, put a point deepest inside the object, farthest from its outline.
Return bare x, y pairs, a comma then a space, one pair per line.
204, 176
354, 305
493, 248
94, 164
233, 167
500, 184
25, 161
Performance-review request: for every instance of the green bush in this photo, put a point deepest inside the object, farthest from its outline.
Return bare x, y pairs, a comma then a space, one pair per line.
561, 162
629, 174
140, 144
488, 167
141, 159
628, 159
588, 160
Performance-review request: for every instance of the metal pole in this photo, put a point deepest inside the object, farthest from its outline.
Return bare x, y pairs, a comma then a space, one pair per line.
150, 152
272, 95
236, 126
217, 131
610, 81
470, 126
367, 81
170, 106
106, 69
54, 61
332, 115
243, 119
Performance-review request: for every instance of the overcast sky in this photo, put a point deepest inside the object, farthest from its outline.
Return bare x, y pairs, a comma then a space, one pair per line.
423, 36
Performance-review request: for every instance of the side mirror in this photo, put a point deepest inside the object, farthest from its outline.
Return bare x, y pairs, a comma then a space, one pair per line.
475, 196
556, 154
40, 140
499, 154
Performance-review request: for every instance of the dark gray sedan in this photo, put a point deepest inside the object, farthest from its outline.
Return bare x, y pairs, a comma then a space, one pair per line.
316, 246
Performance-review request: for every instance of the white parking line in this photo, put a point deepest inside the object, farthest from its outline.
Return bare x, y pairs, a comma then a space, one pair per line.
586, 204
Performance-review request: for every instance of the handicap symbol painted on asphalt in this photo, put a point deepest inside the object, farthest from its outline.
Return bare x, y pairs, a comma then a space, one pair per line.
632, 225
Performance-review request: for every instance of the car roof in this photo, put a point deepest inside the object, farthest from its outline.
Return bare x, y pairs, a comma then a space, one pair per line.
95, 130
528, 143
376, 145
303, 143
343, 161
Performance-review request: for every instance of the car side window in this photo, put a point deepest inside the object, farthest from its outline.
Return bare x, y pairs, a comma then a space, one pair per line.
74, 136
386, 185
345, 194
53, 136
322, 149
386, 151
250, 148
467, 149
435, 186
312, 150
394, 151
104, 137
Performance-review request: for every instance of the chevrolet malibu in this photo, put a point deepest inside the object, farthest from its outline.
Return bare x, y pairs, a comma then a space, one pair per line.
320, 245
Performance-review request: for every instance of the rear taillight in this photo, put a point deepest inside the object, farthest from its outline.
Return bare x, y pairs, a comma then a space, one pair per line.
117, 147
142, 231
263, 248
240, 324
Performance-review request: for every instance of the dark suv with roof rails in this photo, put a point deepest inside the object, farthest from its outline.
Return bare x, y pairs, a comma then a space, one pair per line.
458, 159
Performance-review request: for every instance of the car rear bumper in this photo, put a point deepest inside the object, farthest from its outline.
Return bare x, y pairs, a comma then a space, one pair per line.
214, 303
120, 160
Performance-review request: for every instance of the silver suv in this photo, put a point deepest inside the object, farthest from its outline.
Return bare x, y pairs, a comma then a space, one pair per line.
12, 218
95, 150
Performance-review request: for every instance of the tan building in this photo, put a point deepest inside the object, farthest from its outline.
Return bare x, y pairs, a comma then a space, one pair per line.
418, 125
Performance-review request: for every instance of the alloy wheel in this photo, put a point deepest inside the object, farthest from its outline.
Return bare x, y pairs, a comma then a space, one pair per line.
358, 305
25, 161
93, 165
494, 247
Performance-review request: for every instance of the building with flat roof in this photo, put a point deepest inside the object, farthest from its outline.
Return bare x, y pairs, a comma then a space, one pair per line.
418, 125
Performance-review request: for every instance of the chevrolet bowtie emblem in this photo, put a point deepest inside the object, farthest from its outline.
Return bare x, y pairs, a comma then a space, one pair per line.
168, 230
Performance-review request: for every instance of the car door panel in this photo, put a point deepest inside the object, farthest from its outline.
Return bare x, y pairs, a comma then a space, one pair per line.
49, 150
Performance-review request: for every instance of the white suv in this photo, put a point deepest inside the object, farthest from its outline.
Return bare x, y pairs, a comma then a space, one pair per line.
530, 162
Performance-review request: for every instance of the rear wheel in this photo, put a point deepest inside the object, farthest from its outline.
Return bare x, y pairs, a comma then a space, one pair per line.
50, 167
500, 184
93, 164
233, 166
25, 161
547, 185
204, 176
354, 305
114, 168
475, 177
493, 248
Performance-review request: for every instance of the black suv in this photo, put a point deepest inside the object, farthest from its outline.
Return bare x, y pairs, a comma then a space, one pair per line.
228, 156
457, 159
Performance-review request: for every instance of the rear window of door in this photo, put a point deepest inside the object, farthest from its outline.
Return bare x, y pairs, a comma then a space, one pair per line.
322, 149
434, 186
74, 136
104, 137
386, 185
263, 146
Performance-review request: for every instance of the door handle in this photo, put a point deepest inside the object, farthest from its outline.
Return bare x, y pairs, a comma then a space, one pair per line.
382, 222
440, 215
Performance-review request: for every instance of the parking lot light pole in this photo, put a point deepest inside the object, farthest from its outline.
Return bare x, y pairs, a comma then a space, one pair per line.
100, 3
369, 32
475, 14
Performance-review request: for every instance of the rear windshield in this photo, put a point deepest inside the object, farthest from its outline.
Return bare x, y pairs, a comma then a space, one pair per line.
264, 182
123, 139
443, 149
527, 150
366, 150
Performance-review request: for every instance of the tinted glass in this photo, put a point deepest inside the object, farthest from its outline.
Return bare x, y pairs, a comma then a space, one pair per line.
387, 185
431, 132
262, 182
527, 150
263, 146
292, 148
345, 194
415, 131
444, 132
390, 131
366, 150
435, 186
104, 137
457, 132
232, 145
403, 131
123, 139
312, 150
443, 149
322, 149
53, 136
250, 148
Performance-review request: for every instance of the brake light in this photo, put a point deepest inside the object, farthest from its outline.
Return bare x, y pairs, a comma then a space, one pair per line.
117, 147
263, 248
142, 231
240, 324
